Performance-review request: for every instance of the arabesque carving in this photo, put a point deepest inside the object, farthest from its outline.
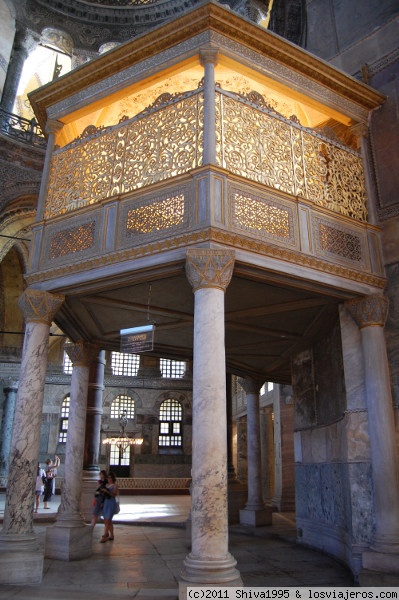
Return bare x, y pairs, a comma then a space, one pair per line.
166, 140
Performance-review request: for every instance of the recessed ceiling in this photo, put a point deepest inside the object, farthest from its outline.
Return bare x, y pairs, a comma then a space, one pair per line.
266, 322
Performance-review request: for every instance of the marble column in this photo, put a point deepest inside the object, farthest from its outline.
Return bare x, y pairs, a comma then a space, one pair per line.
94, 413
21, 559
10, 392
209, 562
255, 512
209, 59
20, 51
361, 131
231, 472
370, 315
70, 538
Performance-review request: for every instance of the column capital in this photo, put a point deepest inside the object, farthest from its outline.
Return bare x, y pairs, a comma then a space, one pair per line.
209, 54
81, 353
369, 311
209, 268
250, 385
53, 126
38, 306
359, 130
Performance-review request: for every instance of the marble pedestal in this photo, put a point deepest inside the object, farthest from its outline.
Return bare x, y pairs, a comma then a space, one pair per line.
379, 568
69, 543
256, 517
208, 573
89, 486
21, 560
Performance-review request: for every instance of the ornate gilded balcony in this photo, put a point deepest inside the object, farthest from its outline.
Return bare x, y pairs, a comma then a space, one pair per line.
204, 140
209, 133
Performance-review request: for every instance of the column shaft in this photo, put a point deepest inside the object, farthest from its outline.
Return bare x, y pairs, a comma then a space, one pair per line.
209, 494
71, 538
370, 314
94, 413
209, 562
255, 511
209, 58
10, 392
21, 558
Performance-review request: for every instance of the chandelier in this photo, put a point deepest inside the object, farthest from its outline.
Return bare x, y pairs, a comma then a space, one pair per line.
123, 441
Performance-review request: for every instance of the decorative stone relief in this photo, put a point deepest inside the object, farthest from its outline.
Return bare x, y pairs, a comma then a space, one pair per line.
209, 268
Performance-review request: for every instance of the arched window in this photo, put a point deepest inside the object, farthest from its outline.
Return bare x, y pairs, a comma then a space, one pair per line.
122, 404
62, 437
170, 424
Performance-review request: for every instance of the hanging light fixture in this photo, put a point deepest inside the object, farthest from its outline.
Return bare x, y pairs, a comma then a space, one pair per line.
123, 441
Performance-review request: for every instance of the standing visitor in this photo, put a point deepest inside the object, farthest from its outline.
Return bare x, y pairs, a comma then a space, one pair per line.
39, 487
51, 472
109, 509
98, 502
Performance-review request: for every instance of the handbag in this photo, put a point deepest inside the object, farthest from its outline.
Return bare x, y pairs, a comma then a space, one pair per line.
117, 507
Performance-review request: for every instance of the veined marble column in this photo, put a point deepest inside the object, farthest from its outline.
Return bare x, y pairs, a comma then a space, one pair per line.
21, 560
209, 563
255, 512
93, 434
370, 315
20, 51
10, 392
70, 538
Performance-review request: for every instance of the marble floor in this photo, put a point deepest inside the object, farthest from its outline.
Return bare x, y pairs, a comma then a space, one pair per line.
145, 558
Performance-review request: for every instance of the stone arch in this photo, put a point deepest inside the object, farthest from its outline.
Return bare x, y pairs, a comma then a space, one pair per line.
11, 288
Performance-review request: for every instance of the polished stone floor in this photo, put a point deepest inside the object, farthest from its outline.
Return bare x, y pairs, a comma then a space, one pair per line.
145, 559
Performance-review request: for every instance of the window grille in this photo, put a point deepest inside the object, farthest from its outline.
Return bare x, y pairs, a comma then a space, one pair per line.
123, 363
118, 458
62, 437
172, 369
122, 404
67, 365
170, 424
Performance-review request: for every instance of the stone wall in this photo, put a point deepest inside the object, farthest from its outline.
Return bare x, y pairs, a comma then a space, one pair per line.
333, 472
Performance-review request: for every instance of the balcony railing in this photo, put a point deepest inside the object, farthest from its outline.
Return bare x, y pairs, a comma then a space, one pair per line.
165, 140
21, 129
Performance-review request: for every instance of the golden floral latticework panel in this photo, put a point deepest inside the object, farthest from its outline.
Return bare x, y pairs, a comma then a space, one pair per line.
258, 216
253, 144
339, 242
157, 216
72, 240
152, 147
334, 177
260, 145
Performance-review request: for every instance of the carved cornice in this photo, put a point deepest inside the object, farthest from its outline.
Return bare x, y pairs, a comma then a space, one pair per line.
208, 17
209, 235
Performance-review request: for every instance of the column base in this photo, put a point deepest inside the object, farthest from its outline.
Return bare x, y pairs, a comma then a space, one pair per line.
69, 543
21, 560
379, 568
208, 573
256, 517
